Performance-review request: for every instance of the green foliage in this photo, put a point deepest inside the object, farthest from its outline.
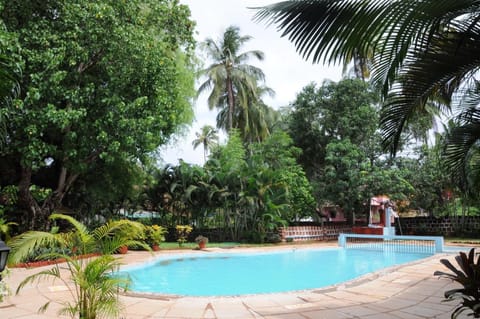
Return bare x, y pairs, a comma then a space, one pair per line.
344, 163
96, 290
182, 233
243, 191
427, 177
233, 82
467, 275
105, 239
108, 187
231, 157
155, 234
423, 55
278, 155
335, 127
332, 112
102, 83
208, 138
5, 228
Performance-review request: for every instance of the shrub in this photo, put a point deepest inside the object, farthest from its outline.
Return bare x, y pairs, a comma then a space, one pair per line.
468, 275
155, 234
182, 233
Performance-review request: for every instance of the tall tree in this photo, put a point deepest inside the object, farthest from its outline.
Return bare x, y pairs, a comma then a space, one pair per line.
231, 80
329, 113
424, 51
208, 138
9, 88
335, 125
101, 81
255, 120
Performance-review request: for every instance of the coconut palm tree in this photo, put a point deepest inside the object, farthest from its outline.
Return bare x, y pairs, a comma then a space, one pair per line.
207, 137
423, 51
254, 120
230, 80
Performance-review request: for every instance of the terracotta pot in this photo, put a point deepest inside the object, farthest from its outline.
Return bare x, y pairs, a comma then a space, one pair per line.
155, 247
123, 250
202, 245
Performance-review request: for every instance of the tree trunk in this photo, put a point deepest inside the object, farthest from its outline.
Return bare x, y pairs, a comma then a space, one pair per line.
231, 103
36, 216
26, 201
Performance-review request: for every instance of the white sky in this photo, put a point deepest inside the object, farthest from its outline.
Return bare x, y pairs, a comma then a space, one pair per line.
286, 72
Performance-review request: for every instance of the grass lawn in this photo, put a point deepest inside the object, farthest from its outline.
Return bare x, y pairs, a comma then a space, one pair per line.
459, 240
174, 245
192, 245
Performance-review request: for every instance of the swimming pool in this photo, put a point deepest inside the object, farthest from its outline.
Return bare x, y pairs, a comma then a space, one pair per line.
230, 274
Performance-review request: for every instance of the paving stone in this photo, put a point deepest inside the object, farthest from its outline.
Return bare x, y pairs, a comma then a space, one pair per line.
424, 312
360, 311
327, 314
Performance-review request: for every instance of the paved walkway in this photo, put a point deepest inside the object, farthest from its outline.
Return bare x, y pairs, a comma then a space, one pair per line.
407, 292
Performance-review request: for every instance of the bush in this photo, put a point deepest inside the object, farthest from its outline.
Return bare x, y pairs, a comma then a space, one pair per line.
273, 238
468, 275
46, 253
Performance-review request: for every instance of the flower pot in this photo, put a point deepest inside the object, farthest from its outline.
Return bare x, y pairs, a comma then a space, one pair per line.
202, 245
155, 247
123, 250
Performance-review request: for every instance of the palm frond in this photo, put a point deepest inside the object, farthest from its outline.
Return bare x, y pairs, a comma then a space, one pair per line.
24, 245
462, 145
427, 72
53, 272
330, 31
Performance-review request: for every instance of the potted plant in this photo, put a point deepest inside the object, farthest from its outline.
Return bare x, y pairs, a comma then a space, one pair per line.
123, 249
182, 233
155, 235
201, 241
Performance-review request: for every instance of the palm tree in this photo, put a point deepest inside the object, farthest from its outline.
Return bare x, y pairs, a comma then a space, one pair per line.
94, 290
207, 137
361, 65
254, 120
231, 80
423, 51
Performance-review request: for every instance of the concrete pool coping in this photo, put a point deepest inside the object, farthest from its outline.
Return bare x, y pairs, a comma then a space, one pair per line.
409, 291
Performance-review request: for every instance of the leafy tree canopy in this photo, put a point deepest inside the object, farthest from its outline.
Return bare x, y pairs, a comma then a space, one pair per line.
101, 80
331, 112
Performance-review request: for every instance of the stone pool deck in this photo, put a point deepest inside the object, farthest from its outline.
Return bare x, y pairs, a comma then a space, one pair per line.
407, 292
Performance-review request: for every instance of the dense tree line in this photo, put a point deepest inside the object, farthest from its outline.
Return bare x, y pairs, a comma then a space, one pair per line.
86, 110
102, 85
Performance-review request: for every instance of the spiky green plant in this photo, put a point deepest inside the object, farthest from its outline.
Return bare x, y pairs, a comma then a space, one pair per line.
468, 275
105, 239
94, 291
5, 229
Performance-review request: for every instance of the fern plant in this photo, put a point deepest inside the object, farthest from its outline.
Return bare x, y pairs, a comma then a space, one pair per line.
467, 275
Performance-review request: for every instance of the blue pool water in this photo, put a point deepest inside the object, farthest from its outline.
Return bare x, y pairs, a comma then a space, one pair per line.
212, 274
